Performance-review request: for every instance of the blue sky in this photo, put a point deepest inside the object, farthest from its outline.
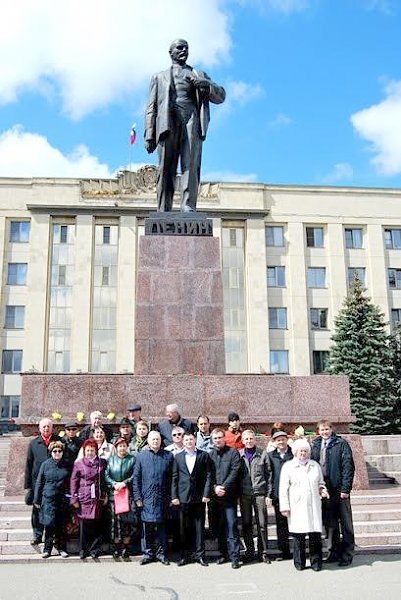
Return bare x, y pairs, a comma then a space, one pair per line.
313, 86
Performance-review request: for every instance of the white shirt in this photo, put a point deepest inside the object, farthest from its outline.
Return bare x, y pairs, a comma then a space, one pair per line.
190, 458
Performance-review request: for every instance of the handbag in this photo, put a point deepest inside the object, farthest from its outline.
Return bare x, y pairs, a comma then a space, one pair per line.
121, 501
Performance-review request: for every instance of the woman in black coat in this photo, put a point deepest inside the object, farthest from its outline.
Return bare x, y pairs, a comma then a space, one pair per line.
50, 499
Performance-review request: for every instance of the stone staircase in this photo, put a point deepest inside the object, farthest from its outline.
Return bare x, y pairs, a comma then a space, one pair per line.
4, 450
383, 459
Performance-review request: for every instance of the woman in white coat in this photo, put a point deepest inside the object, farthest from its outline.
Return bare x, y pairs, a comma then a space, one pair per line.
301, 489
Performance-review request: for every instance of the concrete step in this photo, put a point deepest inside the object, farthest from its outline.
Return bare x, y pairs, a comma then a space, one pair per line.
384, 462
15, 535
379, 539
379, 497
9, 505
18, 520
368, 527
395, 475
381, 444
363, 513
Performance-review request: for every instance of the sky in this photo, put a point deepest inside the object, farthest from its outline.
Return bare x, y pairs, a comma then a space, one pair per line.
313, 87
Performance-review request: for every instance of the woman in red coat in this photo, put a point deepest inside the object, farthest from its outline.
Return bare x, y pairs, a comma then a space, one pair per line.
88, 496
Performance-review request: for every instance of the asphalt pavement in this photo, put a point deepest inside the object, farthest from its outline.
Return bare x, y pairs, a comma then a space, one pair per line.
368, 578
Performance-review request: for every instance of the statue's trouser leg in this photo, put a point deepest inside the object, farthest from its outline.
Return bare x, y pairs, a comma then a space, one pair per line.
191, 155
168, 150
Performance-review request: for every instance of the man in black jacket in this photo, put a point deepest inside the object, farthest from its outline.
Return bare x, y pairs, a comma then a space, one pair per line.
72, 443
277, 458
174, 419
37, 454
335, 457
227, 464
191, 489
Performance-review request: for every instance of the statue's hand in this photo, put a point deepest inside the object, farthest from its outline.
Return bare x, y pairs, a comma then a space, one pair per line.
199, 82
150, 146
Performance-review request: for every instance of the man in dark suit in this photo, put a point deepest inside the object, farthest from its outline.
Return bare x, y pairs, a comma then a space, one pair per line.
191, 489
227, 464
37, 454
176, 121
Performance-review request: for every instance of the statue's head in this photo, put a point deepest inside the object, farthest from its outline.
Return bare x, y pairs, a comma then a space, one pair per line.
179, 51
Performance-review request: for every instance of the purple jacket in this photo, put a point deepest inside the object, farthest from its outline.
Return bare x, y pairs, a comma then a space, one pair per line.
88, 487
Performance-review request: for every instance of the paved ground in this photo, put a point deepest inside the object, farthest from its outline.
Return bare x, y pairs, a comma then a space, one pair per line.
368, 579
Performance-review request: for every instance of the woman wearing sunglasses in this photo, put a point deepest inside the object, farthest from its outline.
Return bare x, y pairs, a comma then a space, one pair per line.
50, 499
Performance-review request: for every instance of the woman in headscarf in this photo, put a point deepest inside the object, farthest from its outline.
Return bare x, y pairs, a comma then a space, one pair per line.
50, 499
301, 489
120, 468
88, 496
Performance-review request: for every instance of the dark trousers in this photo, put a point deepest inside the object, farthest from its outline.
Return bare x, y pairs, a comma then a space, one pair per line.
54, 534
254, 505
37, 526
315, 549
184, 143
283, 543
193, 530
90, 535
228, 537
337, 519
154, 540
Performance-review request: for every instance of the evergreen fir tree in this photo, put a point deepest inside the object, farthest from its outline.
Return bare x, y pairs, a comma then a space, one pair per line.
361, 350
395, 348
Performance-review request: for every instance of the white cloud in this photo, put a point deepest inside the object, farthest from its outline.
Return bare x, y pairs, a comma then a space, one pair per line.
230, 176
380, 125
94, 52
239, 93
280, 120
25, 154
340, 172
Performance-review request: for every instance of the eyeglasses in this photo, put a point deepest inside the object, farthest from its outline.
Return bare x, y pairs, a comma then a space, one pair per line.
71, 428
57, 450
177, 434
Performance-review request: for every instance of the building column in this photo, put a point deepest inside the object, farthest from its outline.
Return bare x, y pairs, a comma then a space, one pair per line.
81, 299
127, 250
256, 297
37, 294
297, 300
377, 273
337, 272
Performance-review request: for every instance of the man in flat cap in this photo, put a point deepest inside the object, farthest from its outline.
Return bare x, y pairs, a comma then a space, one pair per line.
277, 458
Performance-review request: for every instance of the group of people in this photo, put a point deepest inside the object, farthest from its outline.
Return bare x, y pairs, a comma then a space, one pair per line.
163, 481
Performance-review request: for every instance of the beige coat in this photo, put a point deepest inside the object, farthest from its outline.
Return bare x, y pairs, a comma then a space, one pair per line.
299, 493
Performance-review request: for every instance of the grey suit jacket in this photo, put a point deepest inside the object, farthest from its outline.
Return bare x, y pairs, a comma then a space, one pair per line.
158, 112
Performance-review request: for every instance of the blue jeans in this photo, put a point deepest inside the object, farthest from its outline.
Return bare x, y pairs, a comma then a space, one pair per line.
229, 544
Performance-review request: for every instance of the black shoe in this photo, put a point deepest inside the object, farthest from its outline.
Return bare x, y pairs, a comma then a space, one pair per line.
82, 555
299, 567
345, 562
202, 561
116, 554
332, 558
46, 554
316, 567
146, 560
221, 560
235, 564
95, 554
36, 541
125, 554
266, 559
164, 561
182, 562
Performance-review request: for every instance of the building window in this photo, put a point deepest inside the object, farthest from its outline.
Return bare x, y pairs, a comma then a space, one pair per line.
62, 275
356, 272
314, 237
318, 318
276, 276
392, 238
106, 235
63, 234
105, 275
19, 231
395, 316
275, 236
9, 407
15, 317
316, 277
353, 238
320, 361
11, 361
394, 278
277, 318
278, 361
16, 274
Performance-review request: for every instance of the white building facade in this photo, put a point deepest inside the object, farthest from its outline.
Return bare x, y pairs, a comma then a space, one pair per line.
68, 263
